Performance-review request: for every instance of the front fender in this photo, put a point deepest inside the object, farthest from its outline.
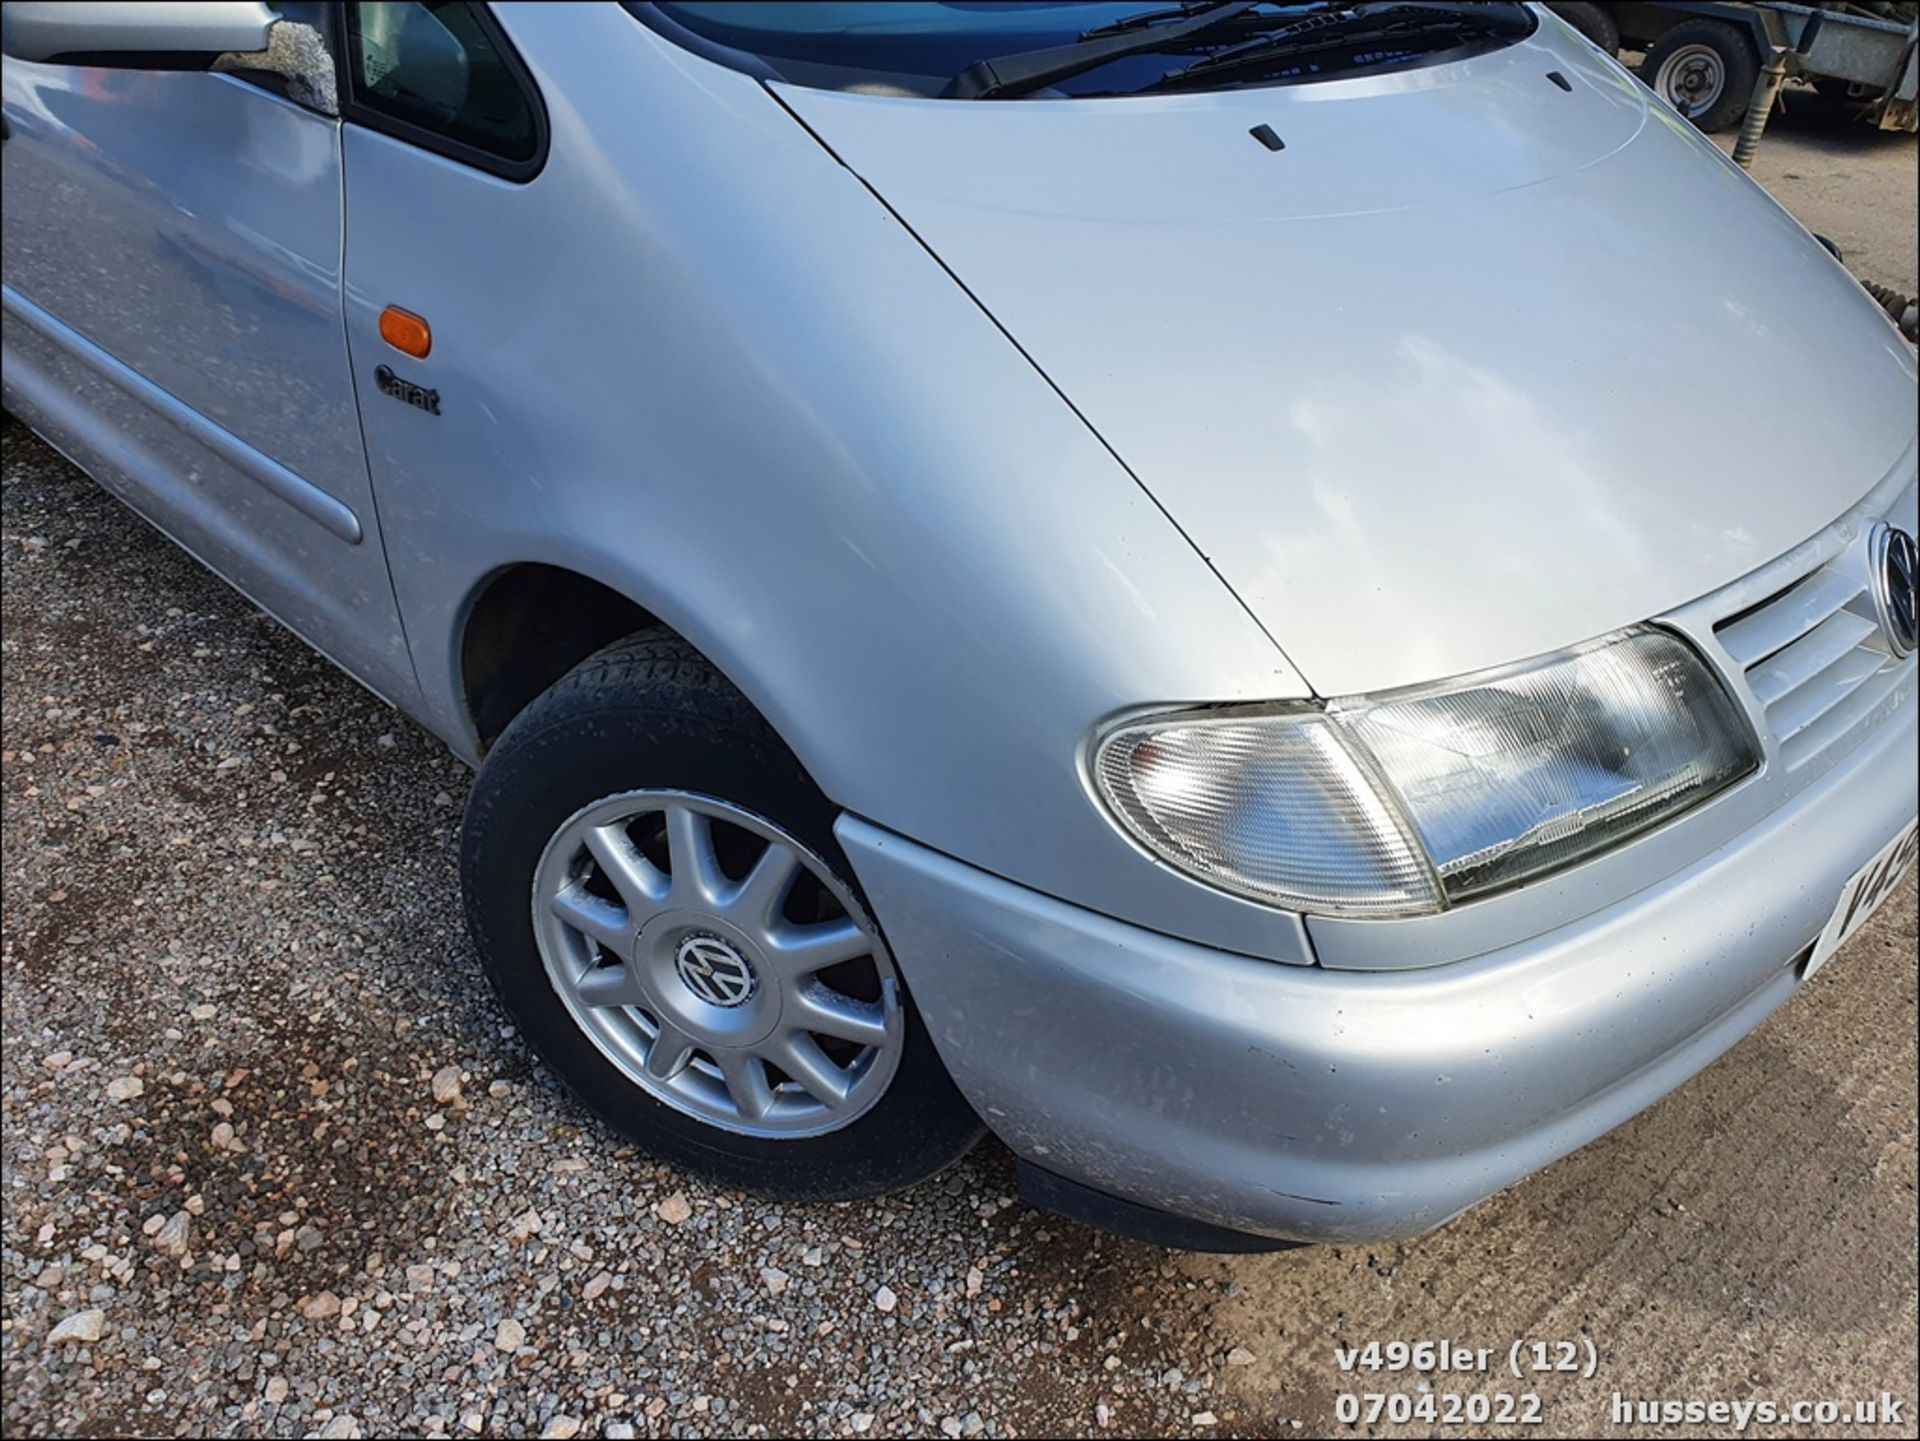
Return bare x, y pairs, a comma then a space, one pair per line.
802, 446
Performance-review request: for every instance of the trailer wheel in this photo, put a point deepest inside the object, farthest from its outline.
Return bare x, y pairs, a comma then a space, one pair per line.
1596, 22
1705, 69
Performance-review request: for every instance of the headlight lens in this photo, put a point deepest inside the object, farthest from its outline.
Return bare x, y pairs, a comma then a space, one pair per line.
1405, 803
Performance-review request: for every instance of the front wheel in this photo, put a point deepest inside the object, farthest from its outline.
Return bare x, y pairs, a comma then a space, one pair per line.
656, 893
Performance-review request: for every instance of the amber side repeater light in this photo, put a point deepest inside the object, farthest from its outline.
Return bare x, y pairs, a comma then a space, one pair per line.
406, 332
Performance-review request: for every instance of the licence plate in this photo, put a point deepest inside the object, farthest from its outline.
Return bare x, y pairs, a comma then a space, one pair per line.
1871, 884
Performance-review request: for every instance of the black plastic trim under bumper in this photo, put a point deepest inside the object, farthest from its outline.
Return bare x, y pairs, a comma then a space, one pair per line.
1131, 1219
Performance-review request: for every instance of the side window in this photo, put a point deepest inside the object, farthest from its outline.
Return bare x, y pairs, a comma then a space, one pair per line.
444, 77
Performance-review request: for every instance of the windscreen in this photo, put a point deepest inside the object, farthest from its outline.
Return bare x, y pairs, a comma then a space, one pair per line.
1080, 47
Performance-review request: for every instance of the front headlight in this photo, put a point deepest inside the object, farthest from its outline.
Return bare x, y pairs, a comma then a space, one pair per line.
1405, 803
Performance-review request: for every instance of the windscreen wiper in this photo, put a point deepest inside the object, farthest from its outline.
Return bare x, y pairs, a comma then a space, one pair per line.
1029, 70
1357, 24
1146, 19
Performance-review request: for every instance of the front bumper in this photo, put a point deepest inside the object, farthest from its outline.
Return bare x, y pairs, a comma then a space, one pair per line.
1314, 1104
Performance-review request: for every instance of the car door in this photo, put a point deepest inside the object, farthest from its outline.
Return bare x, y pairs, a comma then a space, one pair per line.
445, 141
173, 251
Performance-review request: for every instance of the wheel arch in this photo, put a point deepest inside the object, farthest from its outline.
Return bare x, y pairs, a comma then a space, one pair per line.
536, 611
526, 624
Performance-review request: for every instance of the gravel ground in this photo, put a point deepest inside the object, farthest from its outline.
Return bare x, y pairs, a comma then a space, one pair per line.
276, 1164
262, 1112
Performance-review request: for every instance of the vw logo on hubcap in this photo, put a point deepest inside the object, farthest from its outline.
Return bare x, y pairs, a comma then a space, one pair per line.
1896, 563
714, 971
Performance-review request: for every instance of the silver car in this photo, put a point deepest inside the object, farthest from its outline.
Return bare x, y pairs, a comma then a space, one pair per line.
1296, 608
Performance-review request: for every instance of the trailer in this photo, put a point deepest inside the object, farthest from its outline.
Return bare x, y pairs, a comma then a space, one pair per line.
1705, 58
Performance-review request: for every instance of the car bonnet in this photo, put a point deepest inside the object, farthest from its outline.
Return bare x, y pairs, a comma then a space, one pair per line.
1491, 357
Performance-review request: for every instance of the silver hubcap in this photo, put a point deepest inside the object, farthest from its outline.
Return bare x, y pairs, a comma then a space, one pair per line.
1691, 78
718, 963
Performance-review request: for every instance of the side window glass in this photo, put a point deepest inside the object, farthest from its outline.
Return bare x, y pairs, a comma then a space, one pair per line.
443, 76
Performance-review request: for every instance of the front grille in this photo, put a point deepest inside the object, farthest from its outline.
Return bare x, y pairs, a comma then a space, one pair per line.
1814, 655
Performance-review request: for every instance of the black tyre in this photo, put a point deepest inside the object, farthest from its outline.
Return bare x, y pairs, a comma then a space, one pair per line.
1705, 69
654, 887
1596, 22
